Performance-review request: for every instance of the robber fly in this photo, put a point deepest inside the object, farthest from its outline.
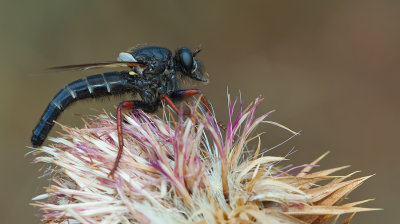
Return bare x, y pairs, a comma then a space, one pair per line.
154, 74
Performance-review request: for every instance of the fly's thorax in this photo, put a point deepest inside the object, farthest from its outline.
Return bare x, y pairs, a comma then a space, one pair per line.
151, 53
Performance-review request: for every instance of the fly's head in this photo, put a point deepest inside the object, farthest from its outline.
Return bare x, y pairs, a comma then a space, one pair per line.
188, 65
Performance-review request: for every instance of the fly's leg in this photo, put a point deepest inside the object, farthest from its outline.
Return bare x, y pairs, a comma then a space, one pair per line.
165, 98
170, 102
181, 94
132, 105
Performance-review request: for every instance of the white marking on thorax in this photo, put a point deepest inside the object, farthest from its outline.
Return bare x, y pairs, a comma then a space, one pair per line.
123, 56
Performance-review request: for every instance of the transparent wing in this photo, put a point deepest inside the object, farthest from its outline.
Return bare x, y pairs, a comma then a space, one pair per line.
106, 64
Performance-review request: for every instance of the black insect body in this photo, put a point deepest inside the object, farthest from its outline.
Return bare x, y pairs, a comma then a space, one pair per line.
154, 75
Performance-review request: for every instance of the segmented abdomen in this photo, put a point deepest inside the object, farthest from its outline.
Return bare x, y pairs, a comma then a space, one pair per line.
89, 87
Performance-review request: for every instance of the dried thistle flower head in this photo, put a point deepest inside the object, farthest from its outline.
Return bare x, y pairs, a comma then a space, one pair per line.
184, 171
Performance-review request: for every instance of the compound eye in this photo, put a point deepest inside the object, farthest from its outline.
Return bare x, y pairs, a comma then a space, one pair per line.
186, 59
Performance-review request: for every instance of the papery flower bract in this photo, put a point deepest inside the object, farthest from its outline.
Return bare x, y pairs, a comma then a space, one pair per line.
184, 170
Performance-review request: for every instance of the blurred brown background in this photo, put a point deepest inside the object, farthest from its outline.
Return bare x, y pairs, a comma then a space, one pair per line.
328, 68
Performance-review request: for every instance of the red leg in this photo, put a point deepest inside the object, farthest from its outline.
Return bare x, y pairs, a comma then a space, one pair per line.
171, 103
191, 92
122, 105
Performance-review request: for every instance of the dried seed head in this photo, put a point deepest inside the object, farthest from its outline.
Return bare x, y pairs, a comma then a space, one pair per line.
184, 171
